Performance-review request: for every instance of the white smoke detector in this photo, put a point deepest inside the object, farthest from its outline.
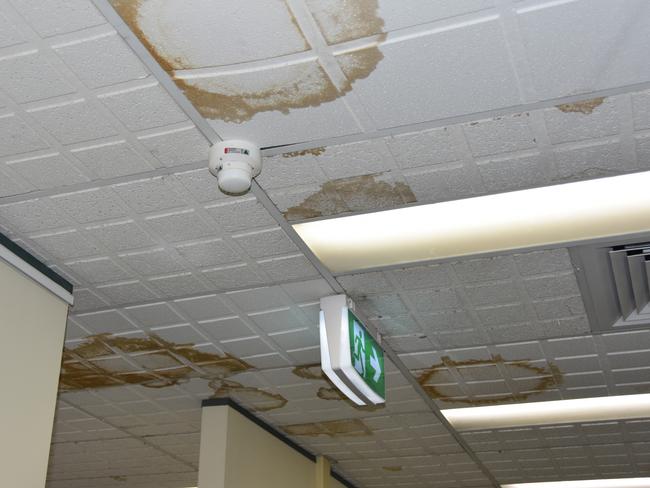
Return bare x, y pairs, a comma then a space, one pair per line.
235, 163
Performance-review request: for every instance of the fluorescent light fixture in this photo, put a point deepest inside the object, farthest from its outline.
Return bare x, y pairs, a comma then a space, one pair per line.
614, 483
542, 216
556, 412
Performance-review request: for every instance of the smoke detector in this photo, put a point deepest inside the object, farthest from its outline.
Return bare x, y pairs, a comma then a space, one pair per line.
235, 163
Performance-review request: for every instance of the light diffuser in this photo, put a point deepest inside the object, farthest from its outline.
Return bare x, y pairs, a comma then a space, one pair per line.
555, 412
613, 483
542, 216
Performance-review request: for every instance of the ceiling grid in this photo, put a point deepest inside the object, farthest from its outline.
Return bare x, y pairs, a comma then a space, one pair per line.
103, 176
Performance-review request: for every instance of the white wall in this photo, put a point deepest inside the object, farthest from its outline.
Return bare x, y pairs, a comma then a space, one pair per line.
32, 330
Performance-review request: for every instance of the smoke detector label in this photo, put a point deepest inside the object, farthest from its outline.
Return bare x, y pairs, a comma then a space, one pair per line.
235, 150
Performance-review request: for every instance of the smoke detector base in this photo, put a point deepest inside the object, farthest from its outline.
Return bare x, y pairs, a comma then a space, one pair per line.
235, 163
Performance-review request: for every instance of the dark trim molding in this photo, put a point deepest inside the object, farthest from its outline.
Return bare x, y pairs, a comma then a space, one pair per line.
229, 402
35, 263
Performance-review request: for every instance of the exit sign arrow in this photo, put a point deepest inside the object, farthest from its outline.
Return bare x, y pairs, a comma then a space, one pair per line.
374, 364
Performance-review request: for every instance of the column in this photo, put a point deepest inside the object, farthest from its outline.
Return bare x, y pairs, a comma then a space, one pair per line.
33, 311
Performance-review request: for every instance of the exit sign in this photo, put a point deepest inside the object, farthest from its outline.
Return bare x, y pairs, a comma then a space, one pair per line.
367, 355
350, 356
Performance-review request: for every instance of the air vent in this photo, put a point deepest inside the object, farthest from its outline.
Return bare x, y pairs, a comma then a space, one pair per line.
630, 266
615, 284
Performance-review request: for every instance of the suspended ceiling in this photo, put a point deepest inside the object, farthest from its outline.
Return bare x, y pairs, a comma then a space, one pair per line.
183, 293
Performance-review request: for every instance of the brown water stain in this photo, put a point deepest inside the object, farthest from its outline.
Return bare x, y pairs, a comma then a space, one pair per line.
313, 372
355, 194
119, 478
393, 469
316, 151
306, 86
345, 21
584, 107
332, 428
160, 364
544, 379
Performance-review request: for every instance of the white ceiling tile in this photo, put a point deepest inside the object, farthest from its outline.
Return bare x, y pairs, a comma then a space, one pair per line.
74, 121
579, 121
90, 205
340, 21
307, 291
240, 214
153, 315
180, 226
259, 299
233, 277
98, 270
144, 107
111, 160
561, 66
514, 172
203, 307
423, 148
94, 60
48, 171
499, 135
53, 17
120, 236
287, 268
86, 300
441, 80
180, 146
592, 161
439, 183
16, 137
214, 252
277, 320
33, 216
265, 243
28, 77
178, 285
180, 334
152, 194
152, 262
227, 329
9, 34
109, 321
127, 292
201, 185
67, 244
355, 159
246, 347
289, 169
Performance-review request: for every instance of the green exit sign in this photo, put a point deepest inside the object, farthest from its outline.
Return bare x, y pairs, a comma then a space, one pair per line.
367, 356
350, 356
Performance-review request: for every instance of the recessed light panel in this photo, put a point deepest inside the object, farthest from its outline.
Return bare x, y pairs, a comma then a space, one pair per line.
542, 216
545, 413
614, 483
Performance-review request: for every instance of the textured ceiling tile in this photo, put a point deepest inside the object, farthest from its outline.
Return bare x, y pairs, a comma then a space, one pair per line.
266, 243
94, 59
48, 171
439, 76
53, 17
111, 160
560, 67
91, 205
74, 121
514, 172
28, 77
499, 135
144, 107
213, 252
16, 137
177, 147
423, 148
